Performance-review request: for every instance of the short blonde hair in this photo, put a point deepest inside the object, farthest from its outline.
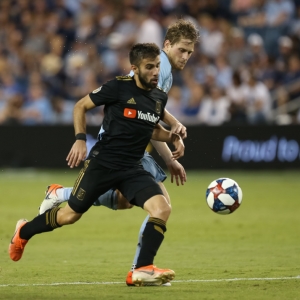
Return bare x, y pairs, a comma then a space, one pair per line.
182, 29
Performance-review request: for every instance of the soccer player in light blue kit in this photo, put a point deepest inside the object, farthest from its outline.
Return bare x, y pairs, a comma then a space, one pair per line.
179, 42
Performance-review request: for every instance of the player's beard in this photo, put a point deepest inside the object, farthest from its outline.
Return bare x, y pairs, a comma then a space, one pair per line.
148, 85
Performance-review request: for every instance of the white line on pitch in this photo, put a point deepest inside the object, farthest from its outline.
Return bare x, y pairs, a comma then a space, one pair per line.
177, 281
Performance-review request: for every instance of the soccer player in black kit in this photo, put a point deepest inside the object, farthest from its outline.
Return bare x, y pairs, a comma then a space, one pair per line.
113, 162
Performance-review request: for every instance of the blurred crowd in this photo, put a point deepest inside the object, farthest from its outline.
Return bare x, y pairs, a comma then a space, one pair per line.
245, 69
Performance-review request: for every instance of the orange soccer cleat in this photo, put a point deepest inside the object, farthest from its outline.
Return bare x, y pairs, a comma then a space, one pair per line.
129, 279
17, 245
151, 275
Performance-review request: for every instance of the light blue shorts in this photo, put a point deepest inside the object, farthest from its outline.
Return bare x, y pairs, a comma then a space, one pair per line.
150, 165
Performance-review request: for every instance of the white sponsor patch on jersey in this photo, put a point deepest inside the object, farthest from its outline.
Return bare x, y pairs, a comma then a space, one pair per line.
148, 117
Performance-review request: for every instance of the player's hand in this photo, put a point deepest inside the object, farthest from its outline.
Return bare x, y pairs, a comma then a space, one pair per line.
177, 171
180, 129
77, 154
179, 146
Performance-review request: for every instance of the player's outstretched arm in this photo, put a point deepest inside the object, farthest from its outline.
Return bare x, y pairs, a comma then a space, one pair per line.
176, 126
177, 171
163, 150
78, 151
163, 135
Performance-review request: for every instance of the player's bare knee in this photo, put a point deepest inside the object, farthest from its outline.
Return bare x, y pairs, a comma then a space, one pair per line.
165, 210
162, 212
158, 207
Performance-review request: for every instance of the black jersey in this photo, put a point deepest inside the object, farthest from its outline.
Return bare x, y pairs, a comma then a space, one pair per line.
130, 115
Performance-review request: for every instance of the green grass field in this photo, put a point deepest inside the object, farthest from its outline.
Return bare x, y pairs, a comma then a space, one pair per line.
258, 245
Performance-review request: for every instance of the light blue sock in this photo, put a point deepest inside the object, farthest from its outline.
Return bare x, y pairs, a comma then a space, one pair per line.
66, 193
139, 245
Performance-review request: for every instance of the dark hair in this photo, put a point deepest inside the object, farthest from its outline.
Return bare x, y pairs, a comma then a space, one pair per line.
182, 29
140, 51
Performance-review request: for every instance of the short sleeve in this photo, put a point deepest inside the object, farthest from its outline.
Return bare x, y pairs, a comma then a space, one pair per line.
105, 94
162, 77
165, 79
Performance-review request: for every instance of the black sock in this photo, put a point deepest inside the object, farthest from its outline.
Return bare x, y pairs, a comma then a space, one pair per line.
42, 223
153, 236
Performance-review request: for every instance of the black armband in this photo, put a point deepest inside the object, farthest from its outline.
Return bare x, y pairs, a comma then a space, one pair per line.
80, 136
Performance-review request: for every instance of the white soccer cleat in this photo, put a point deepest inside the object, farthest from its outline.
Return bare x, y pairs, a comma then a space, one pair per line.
51, 200
130, 283
151, 275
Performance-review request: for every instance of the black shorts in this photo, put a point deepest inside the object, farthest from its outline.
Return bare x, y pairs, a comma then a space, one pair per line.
136, 184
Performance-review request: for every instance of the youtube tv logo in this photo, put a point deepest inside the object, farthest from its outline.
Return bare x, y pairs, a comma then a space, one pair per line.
129, 113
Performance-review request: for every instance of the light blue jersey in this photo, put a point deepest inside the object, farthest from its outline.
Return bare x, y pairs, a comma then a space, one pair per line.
165, 78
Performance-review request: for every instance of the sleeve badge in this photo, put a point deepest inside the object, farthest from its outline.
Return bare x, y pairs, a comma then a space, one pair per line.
97, 90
